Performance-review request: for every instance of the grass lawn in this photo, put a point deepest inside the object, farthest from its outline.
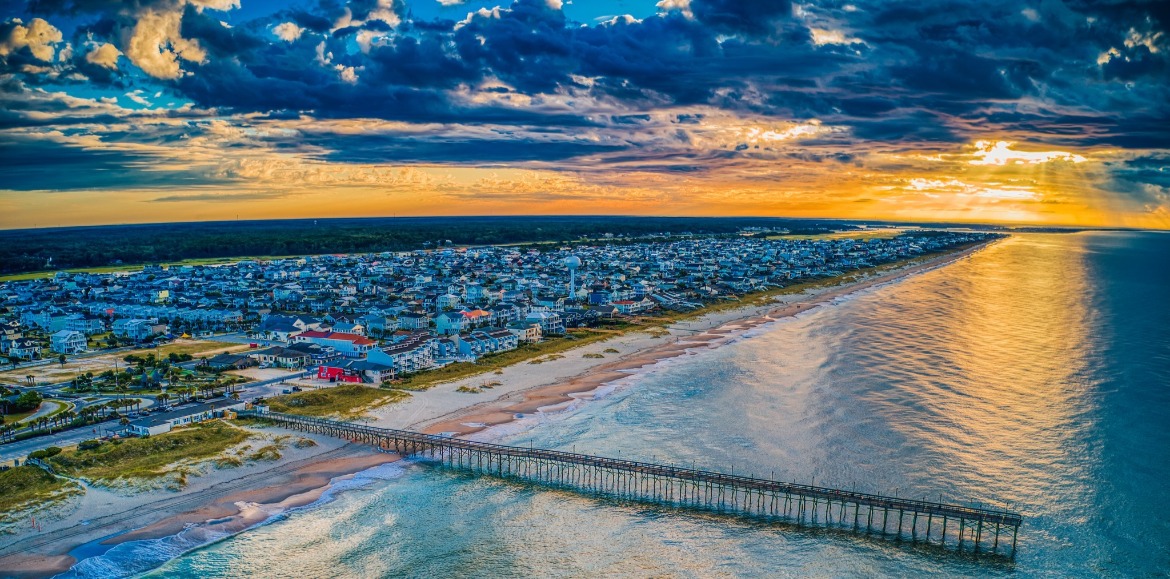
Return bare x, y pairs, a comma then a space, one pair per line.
14, 418
152, 457
346, 401
30, 486
192, 347
525, 352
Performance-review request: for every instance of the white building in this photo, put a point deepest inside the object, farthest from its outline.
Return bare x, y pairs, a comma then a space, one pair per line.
68, 342
161, 423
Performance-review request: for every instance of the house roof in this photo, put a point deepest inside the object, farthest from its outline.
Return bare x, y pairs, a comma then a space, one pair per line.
354, 338
226, 359
184, 412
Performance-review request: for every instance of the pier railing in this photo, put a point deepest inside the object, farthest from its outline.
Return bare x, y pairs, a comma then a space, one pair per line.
684, 487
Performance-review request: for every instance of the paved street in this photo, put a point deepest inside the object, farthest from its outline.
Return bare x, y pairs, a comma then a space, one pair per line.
11, 450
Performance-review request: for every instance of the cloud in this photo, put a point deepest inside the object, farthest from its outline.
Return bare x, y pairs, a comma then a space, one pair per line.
748, 16
105, 55
288, 31
38, 38
156, 46
221, 197
730, 96
682, 6
1001, 153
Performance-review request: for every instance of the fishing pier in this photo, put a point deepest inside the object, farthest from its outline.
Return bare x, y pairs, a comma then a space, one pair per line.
977, 530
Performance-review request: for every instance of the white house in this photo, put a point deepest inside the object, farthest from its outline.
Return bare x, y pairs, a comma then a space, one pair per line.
160, 423
138, 329
24, 349
550, 322
525, 332
68, 342
87, 324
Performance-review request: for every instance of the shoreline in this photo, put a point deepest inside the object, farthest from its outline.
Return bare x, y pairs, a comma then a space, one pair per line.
241, 505
227, 507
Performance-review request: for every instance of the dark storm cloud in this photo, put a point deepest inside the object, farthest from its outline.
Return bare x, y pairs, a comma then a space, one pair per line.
926, 60
218, 39
755, 17
399, 149
34, 165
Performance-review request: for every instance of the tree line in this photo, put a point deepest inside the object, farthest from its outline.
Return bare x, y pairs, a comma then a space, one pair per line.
29, 250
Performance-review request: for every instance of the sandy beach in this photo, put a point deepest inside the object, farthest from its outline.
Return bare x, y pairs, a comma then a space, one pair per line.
229, 501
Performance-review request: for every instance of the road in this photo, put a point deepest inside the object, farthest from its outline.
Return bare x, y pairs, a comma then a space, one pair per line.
12, 450
20, 449
47, 407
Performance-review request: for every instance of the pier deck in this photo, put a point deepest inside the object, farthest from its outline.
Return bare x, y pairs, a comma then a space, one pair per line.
693, 488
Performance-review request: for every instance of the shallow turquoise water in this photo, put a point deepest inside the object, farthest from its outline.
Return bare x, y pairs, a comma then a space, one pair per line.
1033, 375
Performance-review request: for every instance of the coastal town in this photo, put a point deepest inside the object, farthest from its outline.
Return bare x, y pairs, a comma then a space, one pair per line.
370, 317
143, 383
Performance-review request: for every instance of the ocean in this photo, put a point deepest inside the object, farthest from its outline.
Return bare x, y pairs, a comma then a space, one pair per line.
1033, 375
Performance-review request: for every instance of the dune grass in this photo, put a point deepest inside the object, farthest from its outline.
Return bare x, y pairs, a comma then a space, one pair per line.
346, 401
152, 457
28, 487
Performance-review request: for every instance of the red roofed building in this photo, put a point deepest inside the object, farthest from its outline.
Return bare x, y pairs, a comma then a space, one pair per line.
348, 345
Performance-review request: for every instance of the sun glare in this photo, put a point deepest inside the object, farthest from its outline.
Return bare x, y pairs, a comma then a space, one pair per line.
1001, 153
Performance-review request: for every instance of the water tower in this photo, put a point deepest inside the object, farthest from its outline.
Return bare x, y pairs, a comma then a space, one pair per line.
572, 262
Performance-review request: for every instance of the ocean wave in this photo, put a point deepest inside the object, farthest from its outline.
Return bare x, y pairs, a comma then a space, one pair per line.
136, 557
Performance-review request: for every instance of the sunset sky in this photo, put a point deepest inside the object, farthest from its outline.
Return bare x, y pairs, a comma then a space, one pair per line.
1020, 111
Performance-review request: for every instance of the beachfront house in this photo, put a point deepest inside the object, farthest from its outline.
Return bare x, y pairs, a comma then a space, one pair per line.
550, 322
161, 423
525, 332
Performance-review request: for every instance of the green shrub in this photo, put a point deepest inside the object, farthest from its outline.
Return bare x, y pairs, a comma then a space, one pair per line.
88, 444
44, 453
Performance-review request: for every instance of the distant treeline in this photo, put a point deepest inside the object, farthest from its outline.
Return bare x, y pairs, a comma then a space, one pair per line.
29, 250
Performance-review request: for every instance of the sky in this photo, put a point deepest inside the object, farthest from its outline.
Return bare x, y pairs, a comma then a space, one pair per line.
1042, 112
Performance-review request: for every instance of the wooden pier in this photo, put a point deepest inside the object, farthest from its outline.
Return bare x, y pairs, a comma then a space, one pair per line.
976, 530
